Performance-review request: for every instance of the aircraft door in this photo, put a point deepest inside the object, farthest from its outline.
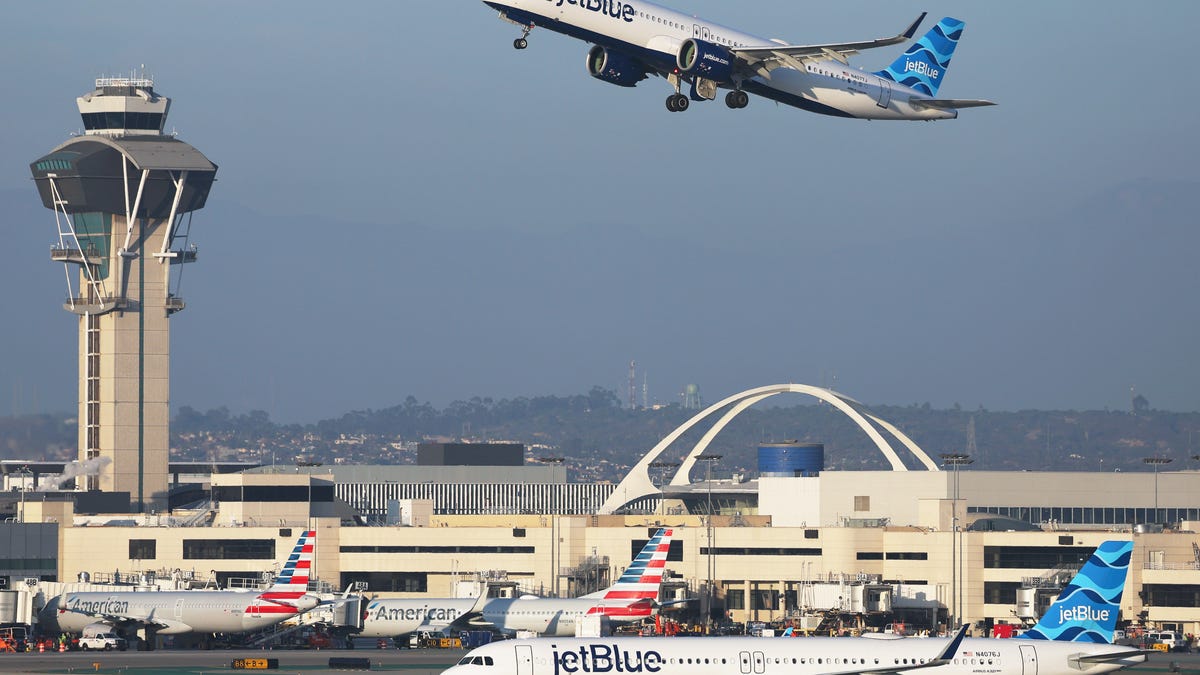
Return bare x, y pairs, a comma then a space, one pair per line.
760, 663
524, 660
885, 93
179, 609
1029, 664
744, 660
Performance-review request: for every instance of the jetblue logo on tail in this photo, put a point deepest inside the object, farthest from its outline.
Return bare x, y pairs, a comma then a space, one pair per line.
1086, 610
924, 65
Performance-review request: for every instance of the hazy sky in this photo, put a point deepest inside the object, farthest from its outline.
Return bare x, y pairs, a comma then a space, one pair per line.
407, 205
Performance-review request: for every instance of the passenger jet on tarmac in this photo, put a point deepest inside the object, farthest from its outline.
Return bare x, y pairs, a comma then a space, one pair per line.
632, 598
1071, 639
634, 39
178, 612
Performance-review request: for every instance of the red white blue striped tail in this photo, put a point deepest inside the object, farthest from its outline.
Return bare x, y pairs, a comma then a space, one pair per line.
636, 592
292, 582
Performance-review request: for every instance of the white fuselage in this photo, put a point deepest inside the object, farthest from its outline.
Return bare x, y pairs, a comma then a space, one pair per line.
785, 656
395, 617
170, 612
549, 616
654, 35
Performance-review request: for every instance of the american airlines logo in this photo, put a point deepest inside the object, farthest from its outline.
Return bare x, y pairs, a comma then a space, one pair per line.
613, 8
1082, 613
922, 68
109, 605
606, 659
383, 613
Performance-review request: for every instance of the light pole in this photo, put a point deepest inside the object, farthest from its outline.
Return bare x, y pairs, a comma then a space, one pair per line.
553, 529
662, 483
955, 460
24, 473
1156, 462
709, 460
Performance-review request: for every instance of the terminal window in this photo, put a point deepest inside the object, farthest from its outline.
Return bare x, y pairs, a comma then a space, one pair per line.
142, 549
229, 549
862, 503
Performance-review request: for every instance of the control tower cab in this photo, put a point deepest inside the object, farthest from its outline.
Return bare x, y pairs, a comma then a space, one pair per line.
123, 195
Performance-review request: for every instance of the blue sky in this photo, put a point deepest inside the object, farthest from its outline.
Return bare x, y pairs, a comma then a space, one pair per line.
407, 205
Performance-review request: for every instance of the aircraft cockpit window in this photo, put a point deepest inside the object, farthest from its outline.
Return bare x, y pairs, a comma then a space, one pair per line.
464, 661
487, 661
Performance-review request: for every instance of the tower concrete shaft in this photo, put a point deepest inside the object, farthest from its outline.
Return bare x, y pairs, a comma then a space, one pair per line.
122, 195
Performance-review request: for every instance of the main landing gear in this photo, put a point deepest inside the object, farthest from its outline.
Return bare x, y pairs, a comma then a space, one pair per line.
735, 99
522, 42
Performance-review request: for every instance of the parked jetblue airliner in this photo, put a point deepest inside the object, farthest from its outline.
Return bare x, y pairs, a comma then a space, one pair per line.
1071, 639
634, 39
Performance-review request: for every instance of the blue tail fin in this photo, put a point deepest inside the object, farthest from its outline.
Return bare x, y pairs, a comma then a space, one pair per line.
924, 65
1086, 610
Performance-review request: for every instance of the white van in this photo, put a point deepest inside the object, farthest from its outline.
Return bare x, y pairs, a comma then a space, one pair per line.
1173, 641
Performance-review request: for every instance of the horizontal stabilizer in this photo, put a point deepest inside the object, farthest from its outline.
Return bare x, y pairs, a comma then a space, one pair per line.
950, 103
1109, 657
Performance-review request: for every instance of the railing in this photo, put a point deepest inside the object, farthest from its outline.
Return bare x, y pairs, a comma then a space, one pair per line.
1190, 565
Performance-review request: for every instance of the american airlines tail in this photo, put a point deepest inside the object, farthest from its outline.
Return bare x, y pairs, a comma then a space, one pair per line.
292, 582
923, 66
1086, 610
637, 589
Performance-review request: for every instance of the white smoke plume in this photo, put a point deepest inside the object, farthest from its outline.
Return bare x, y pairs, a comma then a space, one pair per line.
73, 470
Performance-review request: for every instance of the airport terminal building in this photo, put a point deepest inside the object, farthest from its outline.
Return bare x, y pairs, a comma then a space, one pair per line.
856, 543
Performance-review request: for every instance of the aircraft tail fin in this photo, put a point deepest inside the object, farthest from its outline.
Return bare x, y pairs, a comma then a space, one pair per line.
1086, 610
292, 581
640, 581
923, 66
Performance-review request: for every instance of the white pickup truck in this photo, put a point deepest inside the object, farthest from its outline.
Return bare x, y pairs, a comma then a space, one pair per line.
103, 641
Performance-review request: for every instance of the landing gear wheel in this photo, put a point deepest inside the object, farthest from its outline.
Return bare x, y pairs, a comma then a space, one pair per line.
677, 103
737, 99
520, 43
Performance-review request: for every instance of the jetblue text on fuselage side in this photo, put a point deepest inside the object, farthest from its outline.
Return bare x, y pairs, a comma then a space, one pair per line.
606, 659
613, 8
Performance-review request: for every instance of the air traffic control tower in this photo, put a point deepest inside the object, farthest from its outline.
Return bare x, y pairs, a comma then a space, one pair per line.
123, 194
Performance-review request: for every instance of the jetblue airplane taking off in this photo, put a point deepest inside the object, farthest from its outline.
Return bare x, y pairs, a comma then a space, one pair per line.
632, 598
634, 39
176, 612
1069, 640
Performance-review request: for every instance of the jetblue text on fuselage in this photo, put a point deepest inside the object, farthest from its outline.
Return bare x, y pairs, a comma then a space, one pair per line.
606, 659
614, 8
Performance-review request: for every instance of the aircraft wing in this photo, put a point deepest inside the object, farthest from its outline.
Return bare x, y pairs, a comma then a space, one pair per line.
949, 103
774, 56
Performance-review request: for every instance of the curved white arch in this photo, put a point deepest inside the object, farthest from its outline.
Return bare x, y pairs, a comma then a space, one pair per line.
637, 483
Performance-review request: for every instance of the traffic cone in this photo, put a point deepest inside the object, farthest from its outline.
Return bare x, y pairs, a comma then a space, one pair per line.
62, 646
42, 647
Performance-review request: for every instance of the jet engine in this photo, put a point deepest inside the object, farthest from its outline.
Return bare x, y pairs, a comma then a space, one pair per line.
614, 67
705, 59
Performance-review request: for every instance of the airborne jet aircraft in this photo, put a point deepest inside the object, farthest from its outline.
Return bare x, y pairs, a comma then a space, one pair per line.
634, 39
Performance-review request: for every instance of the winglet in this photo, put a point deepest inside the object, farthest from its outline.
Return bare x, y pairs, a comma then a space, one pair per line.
951, 649
912, 30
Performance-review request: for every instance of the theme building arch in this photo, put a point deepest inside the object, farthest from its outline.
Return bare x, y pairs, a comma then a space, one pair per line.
637, 484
